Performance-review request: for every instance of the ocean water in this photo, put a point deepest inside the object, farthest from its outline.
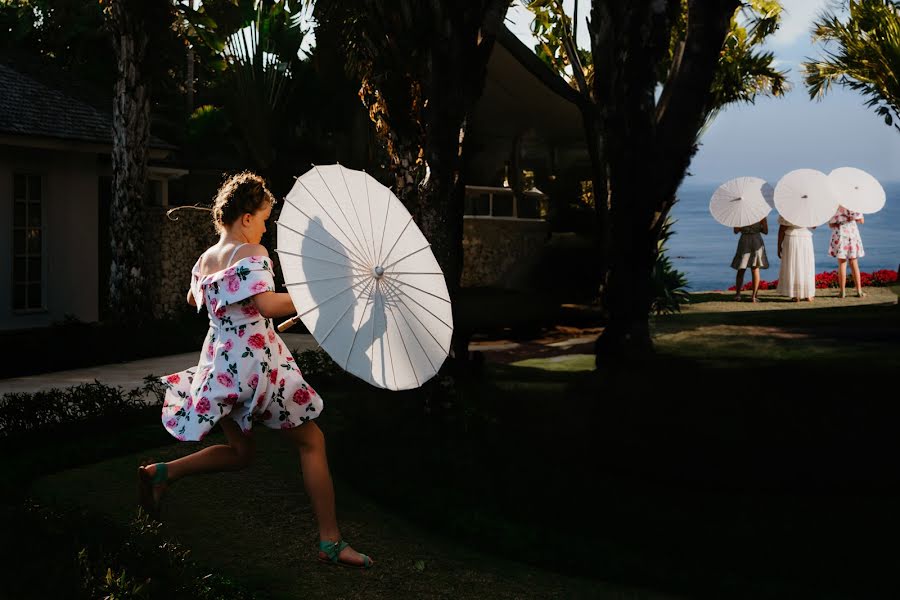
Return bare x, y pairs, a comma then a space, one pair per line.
703, 249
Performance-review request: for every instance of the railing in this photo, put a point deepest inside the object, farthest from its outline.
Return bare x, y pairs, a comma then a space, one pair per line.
483, 202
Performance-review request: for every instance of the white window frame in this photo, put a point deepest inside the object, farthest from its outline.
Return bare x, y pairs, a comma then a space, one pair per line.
42, 280
472, 190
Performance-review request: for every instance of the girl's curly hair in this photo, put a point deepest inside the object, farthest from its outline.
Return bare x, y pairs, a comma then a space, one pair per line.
242, 193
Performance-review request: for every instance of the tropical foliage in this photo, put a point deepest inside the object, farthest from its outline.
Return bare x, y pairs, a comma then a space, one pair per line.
744, 71
684, 60
250, 52
668, 284
860, 51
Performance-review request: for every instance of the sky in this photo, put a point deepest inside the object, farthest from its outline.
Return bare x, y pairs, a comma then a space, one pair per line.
776, 135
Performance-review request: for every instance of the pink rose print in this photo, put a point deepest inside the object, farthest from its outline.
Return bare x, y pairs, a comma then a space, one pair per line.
266, 415
234, 284
260, 400
202, 406
209, 351
205, 388
230, 271
271, 336
228, 345
249, 310
301, 396
290, 359
287, 425
259, 287
255, 259
231, 399
225, 379
281, 383
253, 381
171, 423
257, 341
220, 312
173, 378
273, 376
188, 404
180, 438
279, 348
213, 303
241, 333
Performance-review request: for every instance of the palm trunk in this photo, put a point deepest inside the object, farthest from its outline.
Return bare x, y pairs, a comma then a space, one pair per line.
650, 142
131, 134
600, 183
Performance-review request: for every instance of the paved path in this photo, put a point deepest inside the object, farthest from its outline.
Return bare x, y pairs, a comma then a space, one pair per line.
129, 375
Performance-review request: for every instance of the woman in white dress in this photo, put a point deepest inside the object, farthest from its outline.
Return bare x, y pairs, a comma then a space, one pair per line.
797, 276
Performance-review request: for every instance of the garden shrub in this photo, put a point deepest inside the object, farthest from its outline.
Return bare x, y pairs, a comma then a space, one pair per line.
69, 553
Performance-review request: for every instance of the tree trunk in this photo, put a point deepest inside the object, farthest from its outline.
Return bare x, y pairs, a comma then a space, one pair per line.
600, 183
649, 143
131, 134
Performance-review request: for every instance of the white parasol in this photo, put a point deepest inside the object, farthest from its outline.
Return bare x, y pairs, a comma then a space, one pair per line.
742, 201
804, 198
856, 190
363, 278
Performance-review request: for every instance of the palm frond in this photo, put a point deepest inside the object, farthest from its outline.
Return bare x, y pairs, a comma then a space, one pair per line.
861, 53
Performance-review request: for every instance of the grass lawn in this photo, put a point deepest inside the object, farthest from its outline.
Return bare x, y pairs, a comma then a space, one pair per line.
754, 456
257, 526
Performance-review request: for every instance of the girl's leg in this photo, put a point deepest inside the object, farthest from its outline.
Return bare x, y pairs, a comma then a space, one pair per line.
738, 283
854, 267
310, 442
842, 276
237, 454
755, 272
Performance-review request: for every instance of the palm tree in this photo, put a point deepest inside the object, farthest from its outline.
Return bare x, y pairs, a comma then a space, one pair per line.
133, 25
743, 73
861, 53
659, 72
255, 46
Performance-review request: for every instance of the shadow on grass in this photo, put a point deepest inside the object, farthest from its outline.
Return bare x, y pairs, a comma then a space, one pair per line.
759, 478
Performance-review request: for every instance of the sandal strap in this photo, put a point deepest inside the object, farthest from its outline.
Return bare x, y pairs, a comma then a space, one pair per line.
161, 475
332, 549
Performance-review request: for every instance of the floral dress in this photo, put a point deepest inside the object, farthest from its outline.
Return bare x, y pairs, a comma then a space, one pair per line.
845, 239
245, 370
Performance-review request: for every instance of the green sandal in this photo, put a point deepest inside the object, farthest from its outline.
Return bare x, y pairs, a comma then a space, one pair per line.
147, 483
332, 550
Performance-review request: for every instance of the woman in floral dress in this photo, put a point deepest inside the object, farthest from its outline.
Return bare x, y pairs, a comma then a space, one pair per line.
846, 245
245, 374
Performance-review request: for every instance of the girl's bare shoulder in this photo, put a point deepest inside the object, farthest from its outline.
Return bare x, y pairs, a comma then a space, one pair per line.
250, 250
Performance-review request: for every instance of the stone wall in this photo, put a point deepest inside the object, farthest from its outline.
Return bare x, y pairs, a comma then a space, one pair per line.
174, 247
496, 251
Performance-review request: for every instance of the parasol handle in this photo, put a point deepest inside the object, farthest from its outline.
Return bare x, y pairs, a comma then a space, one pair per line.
289, 323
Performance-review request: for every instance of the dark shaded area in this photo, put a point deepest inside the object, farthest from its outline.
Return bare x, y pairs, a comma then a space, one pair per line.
74, 344
769, 480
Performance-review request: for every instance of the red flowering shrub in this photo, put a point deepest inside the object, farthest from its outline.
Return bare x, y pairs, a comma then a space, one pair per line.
829, 279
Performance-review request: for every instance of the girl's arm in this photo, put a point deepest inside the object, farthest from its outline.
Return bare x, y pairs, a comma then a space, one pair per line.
737, 229
274, 304
861, 219
190, 298
764, 226
780, 238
